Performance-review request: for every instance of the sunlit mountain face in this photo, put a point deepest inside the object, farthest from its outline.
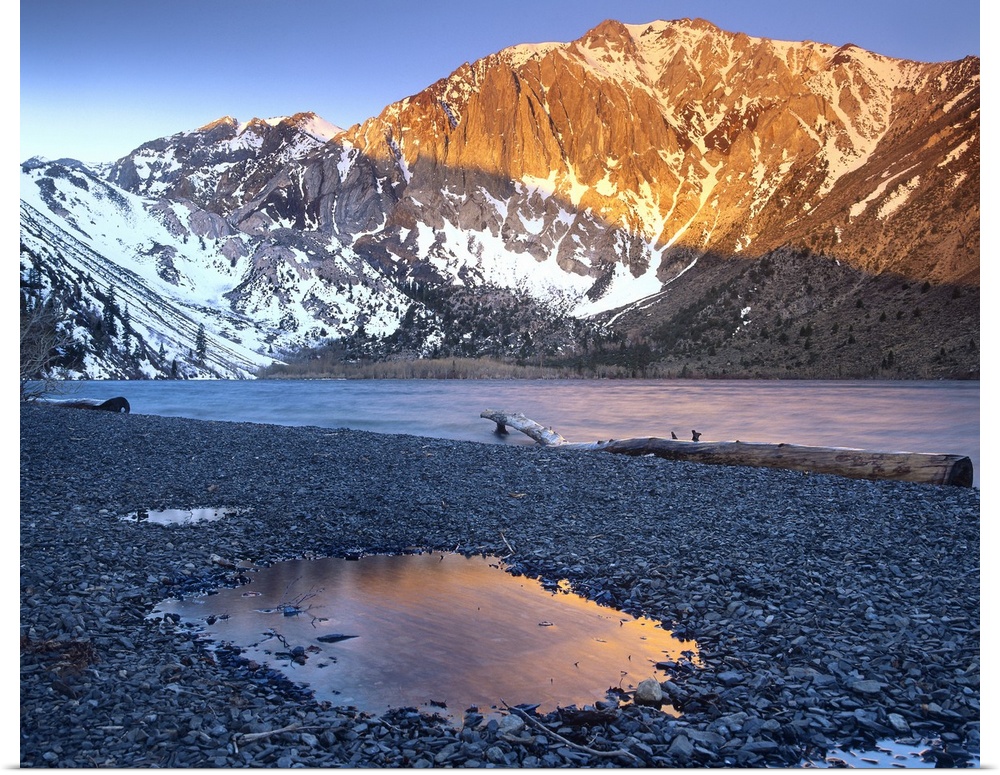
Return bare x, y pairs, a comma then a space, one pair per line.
667, 199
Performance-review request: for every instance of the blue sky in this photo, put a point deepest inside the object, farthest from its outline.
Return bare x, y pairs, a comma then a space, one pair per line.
100, 77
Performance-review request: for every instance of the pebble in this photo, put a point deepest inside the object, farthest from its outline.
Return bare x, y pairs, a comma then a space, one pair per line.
648, 692
830, 613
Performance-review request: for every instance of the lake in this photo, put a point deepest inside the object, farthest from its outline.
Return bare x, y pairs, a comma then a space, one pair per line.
917, 416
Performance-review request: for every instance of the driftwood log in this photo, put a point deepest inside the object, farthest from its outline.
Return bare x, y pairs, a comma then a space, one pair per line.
119, 405
922, 467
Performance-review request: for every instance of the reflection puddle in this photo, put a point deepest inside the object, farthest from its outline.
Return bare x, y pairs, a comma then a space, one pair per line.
179, 516
887, 754
441, 632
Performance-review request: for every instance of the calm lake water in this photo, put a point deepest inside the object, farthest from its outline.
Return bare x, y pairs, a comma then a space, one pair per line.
886, 416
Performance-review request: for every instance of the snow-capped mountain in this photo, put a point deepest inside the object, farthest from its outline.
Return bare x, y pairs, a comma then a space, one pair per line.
174, 267
222, 162
624, 178
618, 159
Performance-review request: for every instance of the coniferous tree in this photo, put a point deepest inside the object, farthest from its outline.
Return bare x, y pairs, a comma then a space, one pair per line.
200, 344
109, 312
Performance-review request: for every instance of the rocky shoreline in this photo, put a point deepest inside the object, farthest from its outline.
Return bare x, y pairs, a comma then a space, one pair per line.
830, 612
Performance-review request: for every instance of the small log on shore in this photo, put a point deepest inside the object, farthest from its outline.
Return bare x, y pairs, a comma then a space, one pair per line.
119, 405
921, 467
544, 436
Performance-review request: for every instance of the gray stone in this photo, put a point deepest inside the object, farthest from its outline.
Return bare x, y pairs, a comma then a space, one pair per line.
731, 678
867, 686
511, 725
706, 738
494, 754
649, 692
898, 723
681, 747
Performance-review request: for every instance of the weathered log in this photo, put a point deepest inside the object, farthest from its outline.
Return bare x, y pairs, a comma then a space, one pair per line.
119, 405
922, 467
545, 436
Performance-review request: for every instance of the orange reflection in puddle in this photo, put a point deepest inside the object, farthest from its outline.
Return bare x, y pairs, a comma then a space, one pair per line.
430, 629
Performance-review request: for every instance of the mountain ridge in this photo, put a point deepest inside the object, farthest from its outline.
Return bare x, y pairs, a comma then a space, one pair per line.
599, 138
587, 178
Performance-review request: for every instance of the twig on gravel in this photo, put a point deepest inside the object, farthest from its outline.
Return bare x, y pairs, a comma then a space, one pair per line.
387, 725
249, 737
621, 754
511, 548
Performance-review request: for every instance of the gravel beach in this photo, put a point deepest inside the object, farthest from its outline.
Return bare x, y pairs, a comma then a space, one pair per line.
829, 612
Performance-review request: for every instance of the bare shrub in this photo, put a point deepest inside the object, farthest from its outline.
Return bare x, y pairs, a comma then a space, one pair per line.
42, 343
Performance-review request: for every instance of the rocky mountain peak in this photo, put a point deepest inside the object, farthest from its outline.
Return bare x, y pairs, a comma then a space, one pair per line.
225, 122
211, 165
609, 35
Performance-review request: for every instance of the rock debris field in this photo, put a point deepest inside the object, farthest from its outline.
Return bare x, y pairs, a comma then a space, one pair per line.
830, 613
